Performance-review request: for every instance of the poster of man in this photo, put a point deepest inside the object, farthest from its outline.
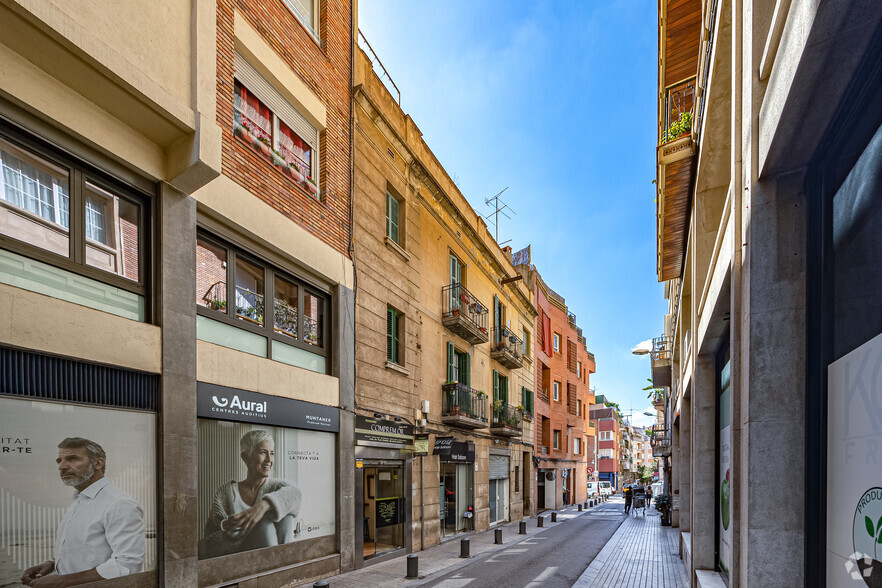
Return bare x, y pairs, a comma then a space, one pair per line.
262, 486
77, 493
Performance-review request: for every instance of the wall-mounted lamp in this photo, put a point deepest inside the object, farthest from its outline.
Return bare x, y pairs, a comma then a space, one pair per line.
510, 280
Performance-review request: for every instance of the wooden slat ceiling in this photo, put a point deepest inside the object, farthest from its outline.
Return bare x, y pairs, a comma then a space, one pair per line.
682, 40
678, 192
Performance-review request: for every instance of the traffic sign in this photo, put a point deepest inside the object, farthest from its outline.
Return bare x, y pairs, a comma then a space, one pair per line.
590, 470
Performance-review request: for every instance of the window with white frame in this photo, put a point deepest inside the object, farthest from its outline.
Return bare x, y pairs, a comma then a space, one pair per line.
557, 391
578, 407
556, 437
307, 12
264, 119
579, 369
557, 342
577, 446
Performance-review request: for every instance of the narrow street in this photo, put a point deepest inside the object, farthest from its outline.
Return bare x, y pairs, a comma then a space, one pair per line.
555, 558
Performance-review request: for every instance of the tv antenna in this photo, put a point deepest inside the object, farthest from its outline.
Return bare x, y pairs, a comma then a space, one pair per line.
499, 207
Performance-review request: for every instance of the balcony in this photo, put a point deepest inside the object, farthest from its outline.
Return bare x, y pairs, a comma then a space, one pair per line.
506, 348
507, 420
676, 162
463, 407
661, 362
463, 314
660, 441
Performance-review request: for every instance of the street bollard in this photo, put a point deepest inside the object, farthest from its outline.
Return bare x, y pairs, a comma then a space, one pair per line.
498, 537
585, 504
540, 521
591, 503
413, 566
464, 548
554, 517
580, 508
522, 528
321, 584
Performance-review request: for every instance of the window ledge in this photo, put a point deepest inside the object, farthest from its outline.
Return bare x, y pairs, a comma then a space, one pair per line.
397, 368
397, 249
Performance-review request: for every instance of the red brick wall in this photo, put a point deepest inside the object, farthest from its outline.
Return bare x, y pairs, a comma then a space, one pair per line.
325, 70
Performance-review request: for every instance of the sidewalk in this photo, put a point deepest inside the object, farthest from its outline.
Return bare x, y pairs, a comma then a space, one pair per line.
641, 553
445, 557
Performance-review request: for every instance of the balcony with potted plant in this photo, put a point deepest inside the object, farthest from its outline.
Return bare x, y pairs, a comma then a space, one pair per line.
506, 348
507, 419
463, 314
462, 406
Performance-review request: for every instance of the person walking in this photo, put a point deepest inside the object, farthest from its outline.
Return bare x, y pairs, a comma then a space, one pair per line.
629, 497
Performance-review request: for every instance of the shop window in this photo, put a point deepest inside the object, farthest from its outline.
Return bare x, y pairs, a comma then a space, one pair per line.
58, 212
294, 332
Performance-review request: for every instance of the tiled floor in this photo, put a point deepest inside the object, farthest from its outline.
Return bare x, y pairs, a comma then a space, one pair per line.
642, 554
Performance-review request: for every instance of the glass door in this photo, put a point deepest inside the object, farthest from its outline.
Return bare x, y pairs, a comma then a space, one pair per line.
384, 505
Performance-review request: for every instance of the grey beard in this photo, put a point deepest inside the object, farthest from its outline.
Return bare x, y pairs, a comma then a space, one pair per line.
78, 481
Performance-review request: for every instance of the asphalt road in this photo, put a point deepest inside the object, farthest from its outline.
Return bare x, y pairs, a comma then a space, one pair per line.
553, 559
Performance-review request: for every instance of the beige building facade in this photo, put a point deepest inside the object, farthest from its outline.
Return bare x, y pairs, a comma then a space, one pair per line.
444, 327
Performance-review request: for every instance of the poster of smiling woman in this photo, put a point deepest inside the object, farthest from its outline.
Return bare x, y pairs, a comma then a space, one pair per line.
77, 492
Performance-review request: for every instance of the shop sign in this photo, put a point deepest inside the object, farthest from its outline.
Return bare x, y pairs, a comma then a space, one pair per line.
451, 450
854, 492
243, 406
383, 433
421, 445
388, 512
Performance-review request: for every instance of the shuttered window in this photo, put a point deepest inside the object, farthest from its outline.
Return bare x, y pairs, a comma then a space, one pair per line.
458, 365
527, 400
571, 355
393, 325
392, 223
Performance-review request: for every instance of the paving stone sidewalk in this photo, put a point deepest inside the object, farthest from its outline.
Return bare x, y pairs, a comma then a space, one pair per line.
641, 554
445, 557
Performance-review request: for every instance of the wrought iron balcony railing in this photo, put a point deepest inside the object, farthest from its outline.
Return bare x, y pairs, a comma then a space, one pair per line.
679, 104
462, 313
506, 347
463, 406
507, 419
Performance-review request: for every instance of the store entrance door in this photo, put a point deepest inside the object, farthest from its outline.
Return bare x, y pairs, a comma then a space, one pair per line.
456, 498
384, 504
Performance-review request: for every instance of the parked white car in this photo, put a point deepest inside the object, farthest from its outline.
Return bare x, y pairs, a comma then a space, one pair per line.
593, 489
606, 489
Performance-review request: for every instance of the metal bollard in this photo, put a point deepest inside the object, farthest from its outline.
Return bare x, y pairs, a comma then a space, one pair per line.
580, 508
464, 548
522, 528
554, 517
540, 521
590, 503
321, 584
585, 504
498, 537
413, 566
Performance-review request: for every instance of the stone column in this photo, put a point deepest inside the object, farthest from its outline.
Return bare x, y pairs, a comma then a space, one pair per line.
176, 314
704, 451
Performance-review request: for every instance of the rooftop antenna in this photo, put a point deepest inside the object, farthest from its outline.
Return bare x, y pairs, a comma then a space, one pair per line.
499, 207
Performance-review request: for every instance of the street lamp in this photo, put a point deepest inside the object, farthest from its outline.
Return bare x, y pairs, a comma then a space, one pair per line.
642, 348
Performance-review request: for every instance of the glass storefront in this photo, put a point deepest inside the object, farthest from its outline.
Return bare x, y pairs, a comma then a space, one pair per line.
456, 495
384, 504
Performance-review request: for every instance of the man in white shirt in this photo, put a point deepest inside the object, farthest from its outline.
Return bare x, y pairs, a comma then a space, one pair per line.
102, 533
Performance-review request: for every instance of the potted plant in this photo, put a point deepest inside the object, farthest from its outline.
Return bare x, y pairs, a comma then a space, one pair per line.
278, 159
311, 186
464, 298
294, 170
240, 129
678, 128
482, 394
262, 144
483, 329
216, 304
663, 506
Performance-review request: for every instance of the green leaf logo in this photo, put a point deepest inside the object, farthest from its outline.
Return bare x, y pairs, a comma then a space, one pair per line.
870, 528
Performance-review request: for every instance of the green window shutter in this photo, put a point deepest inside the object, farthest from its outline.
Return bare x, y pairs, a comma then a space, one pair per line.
495, 385
451, 363
392, 335
524, 396
503, 388
530, 401
392, 224
466, 359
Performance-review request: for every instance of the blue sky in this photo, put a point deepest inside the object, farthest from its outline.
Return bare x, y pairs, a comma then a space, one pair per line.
556, 101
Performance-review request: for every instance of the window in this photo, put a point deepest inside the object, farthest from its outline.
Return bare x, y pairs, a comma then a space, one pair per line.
232, 287
458, 365
266, 121
306, 12
556, 392
556, 439
527, 400
394, 320
525, 342
517, 479
392, 223
557, 342
500, 387
577, 446
578, 407
85, 222
579, 369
